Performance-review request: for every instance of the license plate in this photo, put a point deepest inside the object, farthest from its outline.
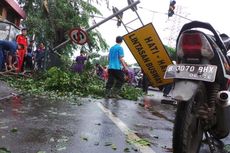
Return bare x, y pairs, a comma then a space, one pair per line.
192, 72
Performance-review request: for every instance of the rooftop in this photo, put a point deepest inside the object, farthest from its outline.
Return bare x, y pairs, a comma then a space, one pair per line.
15, 6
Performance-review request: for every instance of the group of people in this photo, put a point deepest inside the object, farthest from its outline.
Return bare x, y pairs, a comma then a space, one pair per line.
20, 54
117, 72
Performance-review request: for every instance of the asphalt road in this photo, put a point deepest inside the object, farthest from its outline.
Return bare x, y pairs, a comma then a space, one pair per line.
35, 125
30, 125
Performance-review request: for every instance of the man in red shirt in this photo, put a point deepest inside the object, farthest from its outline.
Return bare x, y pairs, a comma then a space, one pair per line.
22, 40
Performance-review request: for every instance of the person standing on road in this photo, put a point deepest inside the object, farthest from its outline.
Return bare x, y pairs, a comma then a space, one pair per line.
22, 40
116, 75
145, 83
40, 56
29, 56
99, 70
80, 62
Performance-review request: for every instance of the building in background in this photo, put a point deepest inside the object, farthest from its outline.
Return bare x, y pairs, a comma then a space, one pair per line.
11, 11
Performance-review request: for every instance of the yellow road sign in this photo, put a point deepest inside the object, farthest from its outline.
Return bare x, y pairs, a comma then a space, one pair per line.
148, 50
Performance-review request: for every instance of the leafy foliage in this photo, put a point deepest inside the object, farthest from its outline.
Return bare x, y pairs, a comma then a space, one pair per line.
58, 83
51, 24
4, 150
130, 92
102, 60
171, 51
142, 142
82, 85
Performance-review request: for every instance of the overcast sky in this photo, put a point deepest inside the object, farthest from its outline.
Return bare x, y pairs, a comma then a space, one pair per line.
214, 12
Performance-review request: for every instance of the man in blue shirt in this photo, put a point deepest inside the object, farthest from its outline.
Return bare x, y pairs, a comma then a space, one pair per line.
116, 64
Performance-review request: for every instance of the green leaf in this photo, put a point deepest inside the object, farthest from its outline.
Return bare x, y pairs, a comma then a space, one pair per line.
14, 130
84, 138
4, 150
143, 142
113, 146
126, 150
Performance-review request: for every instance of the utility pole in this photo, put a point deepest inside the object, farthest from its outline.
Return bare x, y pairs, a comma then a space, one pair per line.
101, 22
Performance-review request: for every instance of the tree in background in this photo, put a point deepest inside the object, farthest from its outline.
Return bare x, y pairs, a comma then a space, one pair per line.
172, 52
50, 21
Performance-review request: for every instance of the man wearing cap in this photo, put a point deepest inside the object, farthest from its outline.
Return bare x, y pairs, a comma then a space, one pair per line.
116, 63
22, 40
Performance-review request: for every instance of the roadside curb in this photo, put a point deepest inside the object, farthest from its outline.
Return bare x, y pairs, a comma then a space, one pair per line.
8, 96
6, 92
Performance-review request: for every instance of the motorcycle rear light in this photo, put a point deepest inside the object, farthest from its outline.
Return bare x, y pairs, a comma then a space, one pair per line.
194, 45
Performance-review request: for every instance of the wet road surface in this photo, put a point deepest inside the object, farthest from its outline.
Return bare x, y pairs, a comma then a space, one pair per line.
30, 125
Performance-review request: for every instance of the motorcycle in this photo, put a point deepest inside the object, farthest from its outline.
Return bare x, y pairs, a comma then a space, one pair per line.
200, 89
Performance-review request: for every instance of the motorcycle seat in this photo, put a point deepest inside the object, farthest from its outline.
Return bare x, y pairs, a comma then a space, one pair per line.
226, 40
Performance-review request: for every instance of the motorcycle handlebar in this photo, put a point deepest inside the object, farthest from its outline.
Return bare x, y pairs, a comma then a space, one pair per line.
204, 25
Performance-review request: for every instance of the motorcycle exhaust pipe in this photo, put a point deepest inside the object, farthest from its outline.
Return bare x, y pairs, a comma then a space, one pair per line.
223, 98
222, 126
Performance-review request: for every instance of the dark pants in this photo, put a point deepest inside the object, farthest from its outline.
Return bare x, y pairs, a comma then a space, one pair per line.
29, 62
145, 83
40, 64
167, 89
1, 59
116, 78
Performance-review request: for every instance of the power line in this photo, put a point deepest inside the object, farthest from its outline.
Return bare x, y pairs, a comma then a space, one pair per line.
183, 17
152, 10
165, 13
101, 17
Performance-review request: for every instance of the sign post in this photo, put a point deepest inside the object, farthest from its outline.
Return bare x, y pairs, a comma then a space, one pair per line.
101, 22
147, 48
78, 36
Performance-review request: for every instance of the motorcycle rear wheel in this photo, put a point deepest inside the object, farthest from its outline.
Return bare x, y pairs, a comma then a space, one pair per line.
187, 132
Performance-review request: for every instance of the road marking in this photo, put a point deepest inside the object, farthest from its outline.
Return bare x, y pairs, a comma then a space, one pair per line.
123, 127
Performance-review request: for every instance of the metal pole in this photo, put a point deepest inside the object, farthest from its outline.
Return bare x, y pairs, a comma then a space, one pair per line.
131, 21
62, 44
124, 25
103, 21
113, 15
139, 17
130, 28
113, 20
101, 17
